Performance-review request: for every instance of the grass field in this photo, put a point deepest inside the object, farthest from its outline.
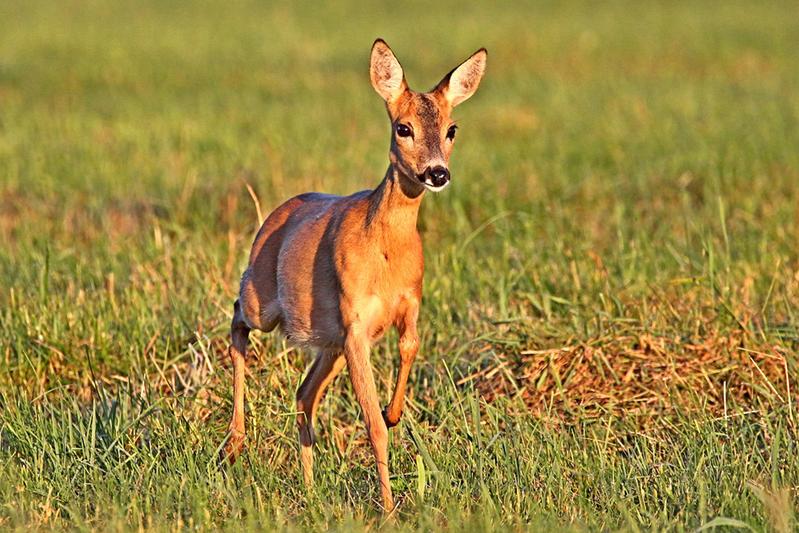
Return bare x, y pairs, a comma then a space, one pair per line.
609, 328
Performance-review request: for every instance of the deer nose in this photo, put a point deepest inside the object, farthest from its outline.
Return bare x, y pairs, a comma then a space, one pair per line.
437, 176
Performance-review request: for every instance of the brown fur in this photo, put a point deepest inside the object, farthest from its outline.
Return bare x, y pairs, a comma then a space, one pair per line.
334, 273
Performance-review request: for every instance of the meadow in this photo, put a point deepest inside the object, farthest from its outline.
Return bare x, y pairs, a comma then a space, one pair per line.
610, 321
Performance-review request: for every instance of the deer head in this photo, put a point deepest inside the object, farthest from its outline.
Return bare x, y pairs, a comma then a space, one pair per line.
423, 132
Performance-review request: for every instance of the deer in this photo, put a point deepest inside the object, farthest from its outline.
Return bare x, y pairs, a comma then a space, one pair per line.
334, 273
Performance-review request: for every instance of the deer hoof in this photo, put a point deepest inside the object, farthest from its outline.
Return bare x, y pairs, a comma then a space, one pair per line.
390, 423
231, 451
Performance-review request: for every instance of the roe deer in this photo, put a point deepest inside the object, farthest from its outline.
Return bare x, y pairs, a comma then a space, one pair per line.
336, 272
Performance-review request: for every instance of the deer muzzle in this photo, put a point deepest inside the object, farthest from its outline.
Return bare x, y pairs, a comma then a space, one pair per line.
435, 178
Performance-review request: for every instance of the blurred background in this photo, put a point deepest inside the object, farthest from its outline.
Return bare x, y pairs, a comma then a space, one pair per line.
616, 256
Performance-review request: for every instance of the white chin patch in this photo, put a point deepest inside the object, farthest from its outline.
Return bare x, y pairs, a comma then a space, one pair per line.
430, 187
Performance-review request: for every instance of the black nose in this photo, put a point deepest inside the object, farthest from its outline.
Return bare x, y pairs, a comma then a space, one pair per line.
438, 176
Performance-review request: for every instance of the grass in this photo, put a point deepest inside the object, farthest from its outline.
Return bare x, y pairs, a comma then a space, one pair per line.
609, 330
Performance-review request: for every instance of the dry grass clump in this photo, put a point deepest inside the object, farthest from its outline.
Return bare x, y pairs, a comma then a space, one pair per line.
642, 376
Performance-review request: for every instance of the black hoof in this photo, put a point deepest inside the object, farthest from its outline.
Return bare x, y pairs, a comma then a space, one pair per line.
389, 423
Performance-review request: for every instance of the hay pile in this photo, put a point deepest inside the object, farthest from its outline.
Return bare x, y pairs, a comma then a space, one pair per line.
641, 376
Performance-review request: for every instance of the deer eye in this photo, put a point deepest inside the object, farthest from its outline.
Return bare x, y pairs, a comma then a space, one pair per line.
451, 132
403, 130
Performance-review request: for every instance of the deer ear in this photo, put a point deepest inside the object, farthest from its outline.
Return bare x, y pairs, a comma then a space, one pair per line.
462, 82
386, 72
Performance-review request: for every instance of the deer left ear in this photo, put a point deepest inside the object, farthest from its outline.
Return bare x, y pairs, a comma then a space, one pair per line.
462, 82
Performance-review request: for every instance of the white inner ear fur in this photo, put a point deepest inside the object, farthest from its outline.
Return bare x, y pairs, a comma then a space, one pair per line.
464, 80
386, 72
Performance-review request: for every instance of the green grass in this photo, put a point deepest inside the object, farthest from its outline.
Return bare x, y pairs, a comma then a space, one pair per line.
609, 327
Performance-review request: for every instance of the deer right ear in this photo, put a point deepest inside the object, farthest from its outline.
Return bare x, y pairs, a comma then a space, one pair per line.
386, 72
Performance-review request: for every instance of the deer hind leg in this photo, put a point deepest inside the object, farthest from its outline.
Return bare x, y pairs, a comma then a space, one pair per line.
408, 348
324, 370
239, 334
357, 355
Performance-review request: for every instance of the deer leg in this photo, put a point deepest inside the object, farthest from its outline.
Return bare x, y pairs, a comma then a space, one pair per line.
324, 370
239, 333
357, 355
408, 348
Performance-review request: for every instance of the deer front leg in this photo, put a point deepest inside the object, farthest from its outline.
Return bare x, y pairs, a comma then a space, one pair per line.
408, 348
357, 355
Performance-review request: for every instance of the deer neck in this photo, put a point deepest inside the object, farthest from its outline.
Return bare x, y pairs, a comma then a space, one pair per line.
394, 204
